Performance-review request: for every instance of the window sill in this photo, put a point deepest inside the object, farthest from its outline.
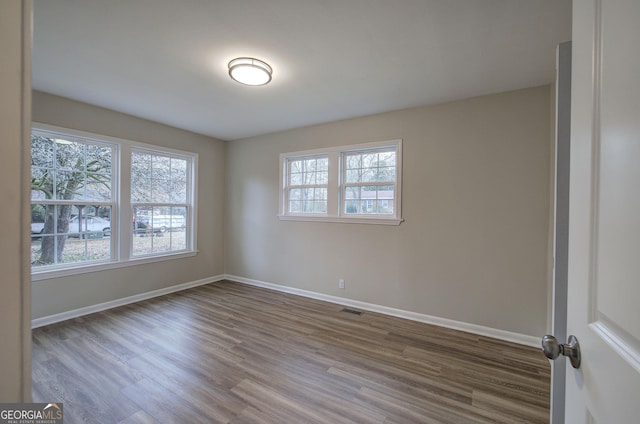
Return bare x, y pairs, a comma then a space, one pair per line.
77, 269
342, 219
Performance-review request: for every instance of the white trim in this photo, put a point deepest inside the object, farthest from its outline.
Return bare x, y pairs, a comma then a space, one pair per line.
480, 330
334, 186
121, 206
87, 267
101, 138
341, 219
413, 316
63, 316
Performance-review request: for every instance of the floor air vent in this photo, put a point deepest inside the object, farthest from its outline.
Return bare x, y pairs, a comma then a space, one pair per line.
351, 311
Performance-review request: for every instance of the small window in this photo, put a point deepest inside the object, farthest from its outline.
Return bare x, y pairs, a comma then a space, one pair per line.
307, 185
360, 183
369, 182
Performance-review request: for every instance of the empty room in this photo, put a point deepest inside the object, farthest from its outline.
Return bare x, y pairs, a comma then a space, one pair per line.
300, 211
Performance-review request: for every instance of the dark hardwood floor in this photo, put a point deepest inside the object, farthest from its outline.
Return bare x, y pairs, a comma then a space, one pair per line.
231, 353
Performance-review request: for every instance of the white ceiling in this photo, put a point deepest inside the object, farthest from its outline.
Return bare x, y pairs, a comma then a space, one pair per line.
166, 60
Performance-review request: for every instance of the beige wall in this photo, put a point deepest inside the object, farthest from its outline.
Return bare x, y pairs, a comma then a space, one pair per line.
73, 292
473, 247
15, 329
474, 244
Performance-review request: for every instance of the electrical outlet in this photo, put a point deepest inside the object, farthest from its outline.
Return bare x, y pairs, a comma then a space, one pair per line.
341, 283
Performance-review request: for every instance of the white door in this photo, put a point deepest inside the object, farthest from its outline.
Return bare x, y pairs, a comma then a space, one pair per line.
604, 223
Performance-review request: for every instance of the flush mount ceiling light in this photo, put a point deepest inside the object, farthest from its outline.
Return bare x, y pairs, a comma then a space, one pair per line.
250, 71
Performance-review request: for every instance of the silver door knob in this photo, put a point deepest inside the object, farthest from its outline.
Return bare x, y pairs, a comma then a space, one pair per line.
552, 349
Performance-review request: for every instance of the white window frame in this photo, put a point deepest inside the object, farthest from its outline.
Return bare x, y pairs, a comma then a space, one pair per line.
288, 187
114, 176
122, 210
335, 186
189, 205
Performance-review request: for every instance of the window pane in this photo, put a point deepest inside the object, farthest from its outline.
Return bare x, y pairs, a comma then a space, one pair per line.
353, 176
158, 179
68, 234
161, 166
140, 177
41, 152
178, 193
308, 200
98, 187
370, 167
99, 159
369, 200
295, 179
311, 172
352, 204
69, 155
159, 229
87, 248
41, 184
38, 247
160, 190
140, 188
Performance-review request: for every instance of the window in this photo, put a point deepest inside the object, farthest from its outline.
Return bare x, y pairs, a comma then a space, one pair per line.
71, 199
160, 200
307, 180
360, 183
79, 221
369, 179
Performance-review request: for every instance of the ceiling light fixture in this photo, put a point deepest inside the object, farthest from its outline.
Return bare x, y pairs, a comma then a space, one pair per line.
250, 71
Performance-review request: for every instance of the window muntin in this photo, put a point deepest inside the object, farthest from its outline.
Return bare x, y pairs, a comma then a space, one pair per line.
307, 185
72, 199
160, 198
98, 234
362, 184
368, 182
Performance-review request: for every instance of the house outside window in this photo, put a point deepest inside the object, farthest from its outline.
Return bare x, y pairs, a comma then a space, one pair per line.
369, 179
356, 183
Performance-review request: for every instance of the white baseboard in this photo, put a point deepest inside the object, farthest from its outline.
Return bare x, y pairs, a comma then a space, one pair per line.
51, 319
414, 316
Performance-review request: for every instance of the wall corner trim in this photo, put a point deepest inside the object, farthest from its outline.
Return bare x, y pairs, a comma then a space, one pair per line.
74, 313
480, 330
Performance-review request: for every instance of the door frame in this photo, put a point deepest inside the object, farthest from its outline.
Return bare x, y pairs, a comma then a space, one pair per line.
561, 224
15, 130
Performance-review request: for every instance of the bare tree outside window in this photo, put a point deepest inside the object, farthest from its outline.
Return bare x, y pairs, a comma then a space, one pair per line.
70, 185
369, 182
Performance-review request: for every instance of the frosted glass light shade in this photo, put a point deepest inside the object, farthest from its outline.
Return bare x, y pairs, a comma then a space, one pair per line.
250, 71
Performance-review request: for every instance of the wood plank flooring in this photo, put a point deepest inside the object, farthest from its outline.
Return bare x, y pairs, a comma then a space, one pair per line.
231, 353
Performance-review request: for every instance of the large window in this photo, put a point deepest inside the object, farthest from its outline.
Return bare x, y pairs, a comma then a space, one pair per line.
80, 220
360, 183
72, 199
